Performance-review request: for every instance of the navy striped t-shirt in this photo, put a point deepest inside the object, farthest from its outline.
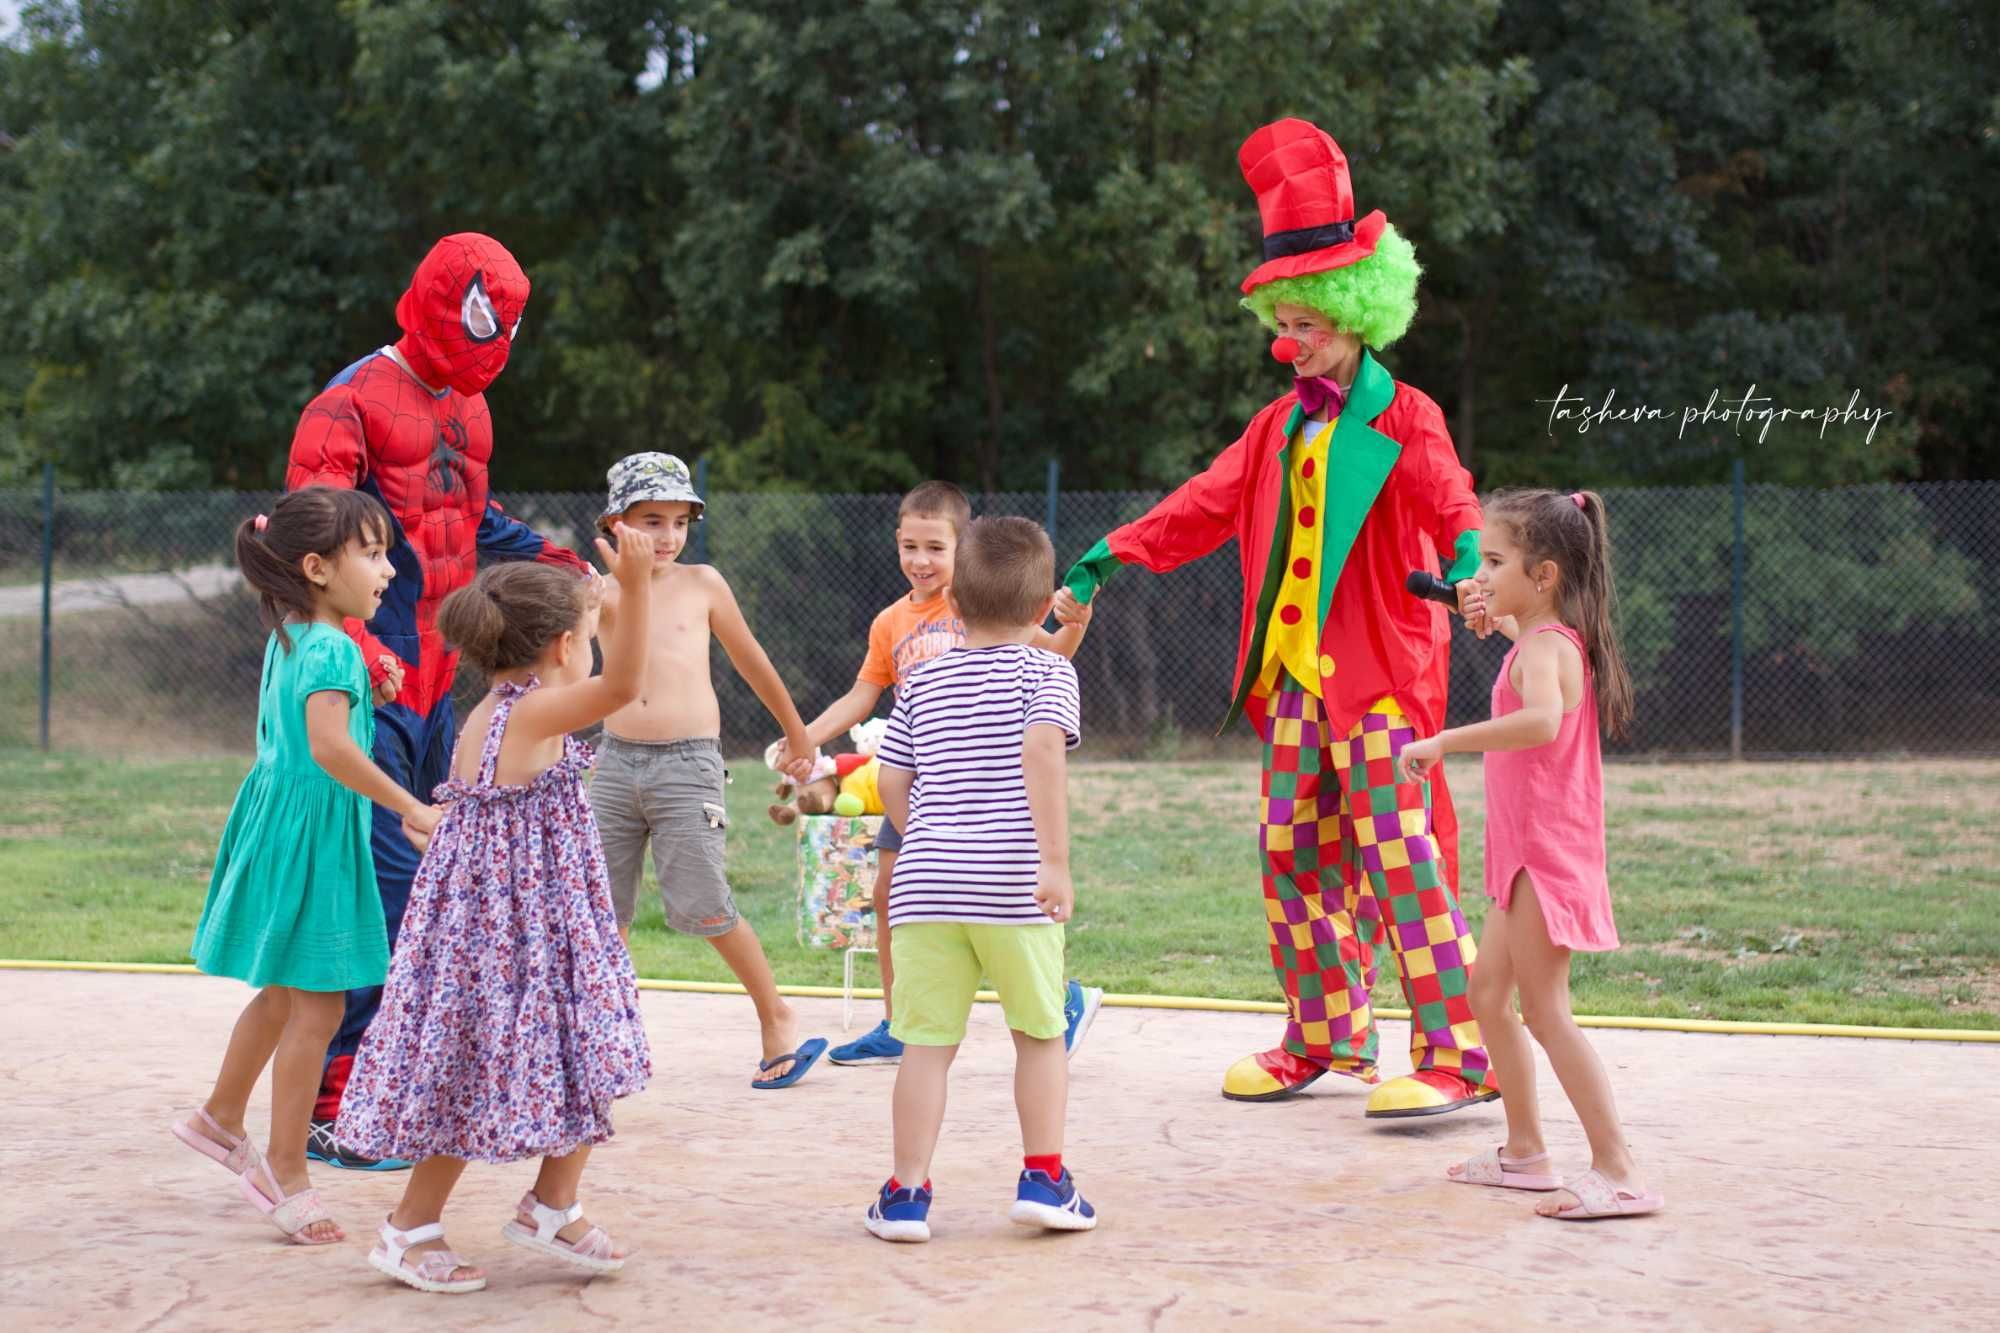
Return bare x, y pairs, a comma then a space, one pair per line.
969, 853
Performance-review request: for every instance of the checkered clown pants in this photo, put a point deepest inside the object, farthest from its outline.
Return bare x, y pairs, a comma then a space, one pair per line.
1334, 808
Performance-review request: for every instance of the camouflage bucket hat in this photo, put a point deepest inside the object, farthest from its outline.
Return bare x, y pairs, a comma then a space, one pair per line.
643, 477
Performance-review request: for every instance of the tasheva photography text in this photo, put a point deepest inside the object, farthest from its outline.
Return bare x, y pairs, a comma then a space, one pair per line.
1752, 408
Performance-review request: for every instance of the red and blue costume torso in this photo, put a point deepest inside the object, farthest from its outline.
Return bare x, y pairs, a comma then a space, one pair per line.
409, 425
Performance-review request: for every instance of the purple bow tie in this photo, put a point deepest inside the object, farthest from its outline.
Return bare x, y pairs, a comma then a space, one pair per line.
1318, 392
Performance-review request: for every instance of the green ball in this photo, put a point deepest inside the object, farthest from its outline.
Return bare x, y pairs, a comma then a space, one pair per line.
847, 803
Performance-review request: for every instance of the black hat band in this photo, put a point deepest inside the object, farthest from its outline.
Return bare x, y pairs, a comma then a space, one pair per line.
1280, 244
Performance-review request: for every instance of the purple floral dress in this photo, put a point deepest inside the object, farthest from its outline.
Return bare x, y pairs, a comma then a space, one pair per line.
510, 1020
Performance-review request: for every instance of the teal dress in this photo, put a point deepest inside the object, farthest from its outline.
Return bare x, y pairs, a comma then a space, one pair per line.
293, 900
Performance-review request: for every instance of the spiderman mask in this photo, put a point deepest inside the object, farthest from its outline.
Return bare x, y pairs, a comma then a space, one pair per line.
461, 313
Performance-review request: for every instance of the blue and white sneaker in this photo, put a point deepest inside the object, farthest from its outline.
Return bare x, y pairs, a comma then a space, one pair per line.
1080, 1006
1053, 1205
904, 1215
873, 1047
321, 1146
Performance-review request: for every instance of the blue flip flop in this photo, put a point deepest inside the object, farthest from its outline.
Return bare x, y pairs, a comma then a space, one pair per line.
802, 1060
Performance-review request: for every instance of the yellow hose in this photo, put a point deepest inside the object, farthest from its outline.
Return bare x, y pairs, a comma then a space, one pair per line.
1199, 1002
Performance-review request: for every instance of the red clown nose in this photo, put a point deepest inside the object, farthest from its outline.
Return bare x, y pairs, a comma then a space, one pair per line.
1285, 349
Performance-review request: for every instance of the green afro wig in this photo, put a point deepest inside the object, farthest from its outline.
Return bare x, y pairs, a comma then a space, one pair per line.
1374, 300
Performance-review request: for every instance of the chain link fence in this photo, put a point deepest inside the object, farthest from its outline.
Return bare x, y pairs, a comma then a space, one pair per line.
1860, 622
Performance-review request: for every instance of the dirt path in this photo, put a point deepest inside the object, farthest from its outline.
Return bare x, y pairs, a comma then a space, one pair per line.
1808, 1180
94, 594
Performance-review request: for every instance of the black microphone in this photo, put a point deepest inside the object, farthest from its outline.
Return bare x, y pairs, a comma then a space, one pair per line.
1426, 584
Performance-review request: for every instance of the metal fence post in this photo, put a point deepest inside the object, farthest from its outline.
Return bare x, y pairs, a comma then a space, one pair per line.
1736, 612
701, 528
1055, 475
48, 587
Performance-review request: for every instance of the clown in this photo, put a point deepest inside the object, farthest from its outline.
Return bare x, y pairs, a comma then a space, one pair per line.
1335, 493
408, 424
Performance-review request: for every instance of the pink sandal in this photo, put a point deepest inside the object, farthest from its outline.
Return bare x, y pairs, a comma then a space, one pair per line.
1490, 1168
592, 1251
240, 1154
1598, 1197
291, 1214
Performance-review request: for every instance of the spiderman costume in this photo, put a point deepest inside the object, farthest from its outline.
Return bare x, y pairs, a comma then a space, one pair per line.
380, 427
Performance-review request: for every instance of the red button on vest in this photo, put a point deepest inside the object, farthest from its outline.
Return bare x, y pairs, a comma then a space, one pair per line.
1306, 516
1306, 468
1289, 614
1302, 567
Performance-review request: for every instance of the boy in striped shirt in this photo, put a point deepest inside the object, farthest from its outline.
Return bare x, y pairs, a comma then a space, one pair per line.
973, 773
909, 633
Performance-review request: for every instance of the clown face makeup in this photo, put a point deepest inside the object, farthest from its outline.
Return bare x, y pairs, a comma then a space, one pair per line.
461, 313
1309, 341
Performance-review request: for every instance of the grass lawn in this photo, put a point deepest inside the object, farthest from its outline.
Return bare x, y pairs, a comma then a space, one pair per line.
1827, 892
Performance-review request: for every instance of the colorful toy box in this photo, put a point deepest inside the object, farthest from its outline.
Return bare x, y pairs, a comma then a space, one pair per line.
837, 880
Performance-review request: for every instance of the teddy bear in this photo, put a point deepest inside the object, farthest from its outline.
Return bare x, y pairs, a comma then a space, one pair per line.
839, 784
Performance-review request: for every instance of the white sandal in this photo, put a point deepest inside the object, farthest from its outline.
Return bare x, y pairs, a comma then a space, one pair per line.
591, 1252
433, 1271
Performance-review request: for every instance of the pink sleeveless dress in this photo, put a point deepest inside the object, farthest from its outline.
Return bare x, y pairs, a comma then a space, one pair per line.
1545, 814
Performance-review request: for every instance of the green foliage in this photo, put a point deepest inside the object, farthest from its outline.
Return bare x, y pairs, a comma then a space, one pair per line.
831, 246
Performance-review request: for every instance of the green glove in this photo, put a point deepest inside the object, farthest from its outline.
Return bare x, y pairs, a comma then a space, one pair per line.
1087, 575
1465, 560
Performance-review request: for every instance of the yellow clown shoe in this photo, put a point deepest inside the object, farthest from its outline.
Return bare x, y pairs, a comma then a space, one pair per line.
1426, 1092
1269, 1075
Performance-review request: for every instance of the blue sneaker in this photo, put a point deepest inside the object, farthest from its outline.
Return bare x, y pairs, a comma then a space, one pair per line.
321, 1146
1053, 1205
904, 1215
1080, 1006
873, 1047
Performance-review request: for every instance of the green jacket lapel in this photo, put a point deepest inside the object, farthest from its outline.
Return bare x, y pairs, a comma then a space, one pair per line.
1357, 465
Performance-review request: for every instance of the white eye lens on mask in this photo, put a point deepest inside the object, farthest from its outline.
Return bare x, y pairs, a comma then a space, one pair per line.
476, 314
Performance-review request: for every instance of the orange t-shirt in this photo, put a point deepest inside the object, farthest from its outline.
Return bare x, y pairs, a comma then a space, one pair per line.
908, 634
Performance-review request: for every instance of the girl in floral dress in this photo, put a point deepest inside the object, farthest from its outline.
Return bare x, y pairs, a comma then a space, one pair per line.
510, 1020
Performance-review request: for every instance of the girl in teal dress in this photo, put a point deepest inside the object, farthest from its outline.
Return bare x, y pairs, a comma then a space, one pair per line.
292, 905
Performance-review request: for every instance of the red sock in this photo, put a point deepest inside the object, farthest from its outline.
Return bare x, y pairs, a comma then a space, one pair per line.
1051, 1163
895, 1184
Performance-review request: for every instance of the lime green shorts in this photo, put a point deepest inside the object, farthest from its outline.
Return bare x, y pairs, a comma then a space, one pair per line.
938, 967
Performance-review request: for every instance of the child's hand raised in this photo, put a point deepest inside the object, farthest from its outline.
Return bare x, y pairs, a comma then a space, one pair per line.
1419, 758
1069, 611
1054, 893
1472, 606
632, 563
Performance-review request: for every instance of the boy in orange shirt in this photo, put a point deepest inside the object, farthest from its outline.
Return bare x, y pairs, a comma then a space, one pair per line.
908, 633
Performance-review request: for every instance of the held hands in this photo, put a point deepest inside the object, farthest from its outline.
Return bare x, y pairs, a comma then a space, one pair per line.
418, 824
1069, 611
391, 683
795, 756
1054, 893
632, 563
1419, 758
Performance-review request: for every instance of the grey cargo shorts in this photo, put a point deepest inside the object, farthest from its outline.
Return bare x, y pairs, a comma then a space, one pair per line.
670, 792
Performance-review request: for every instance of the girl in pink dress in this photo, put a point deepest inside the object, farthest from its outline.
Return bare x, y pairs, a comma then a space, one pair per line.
510, 1021
1545, 580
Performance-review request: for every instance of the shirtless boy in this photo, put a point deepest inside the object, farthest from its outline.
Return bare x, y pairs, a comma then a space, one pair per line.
659, 768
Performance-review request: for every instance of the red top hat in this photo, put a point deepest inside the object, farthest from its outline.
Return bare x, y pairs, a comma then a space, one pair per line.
1300, 176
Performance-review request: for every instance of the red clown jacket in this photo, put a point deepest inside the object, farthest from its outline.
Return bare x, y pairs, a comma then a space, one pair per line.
1396, 496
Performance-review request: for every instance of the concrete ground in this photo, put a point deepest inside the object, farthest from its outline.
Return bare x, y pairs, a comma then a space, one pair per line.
1807, 1179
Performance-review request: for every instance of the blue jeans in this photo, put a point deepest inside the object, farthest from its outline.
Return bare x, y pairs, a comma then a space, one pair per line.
416, 752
